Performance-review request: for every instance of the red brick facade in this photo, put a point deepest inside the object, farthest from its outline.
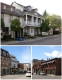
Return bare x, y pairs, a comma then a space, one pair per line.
52, 66
20, 65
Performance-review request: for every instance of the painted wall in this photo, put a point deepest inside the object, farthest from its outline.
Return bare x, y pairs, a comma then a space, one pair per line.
17, 6
14, 63
31, 31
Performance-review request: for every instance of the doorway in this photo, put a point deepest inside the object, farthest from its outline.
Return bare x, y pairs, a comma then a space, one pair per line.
21, 32
17, 34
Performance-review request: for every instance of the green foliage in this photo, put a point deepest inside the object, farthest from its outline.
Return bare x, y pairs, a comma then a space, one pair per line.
44, 27
2, 23
45, 14
32, 37
15, 25
8, 38
55, 21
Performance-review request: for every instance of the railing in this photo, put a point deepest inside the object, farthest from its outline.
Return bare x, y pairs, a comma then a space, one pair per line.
29, 23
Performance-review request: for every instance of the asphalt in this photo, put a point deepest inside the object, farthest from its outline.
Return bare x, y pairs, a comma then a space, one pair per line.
49, 40
35, 76
16, 76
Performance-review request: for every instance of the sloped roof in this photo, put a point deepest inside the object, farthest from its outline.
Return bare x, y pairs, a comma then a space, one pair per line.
26, 10
16, 12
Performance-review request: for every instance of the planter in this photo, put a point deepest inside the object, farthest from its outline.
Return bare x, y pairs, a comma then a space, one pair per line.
20, 39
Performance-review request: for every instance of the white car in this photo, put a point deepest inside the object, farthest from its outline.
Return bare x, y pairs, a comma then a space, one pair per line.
42, 73
28, 74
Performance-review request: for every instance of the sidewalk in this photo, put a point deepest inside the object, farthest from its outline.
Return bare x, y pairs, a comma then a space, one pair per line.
25, 40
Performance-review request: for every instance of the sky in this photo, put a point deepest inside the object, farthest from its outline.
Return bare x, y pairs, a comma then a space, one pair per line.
22, 53
51, 6
44, 52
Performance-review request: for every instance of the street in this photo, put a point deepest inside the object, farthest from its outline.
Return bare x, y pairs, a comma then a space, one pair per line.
15, 76
45, 77
50, 40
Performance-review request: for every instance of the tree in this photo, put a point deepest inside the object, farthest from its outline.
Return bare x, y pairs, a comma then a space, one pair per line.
15, 25
2, 24
45, 14
55, 21
44, 27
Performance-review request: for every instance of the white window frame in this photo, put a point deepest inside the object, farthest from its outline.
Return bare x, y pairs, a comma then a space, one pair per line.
31, 30
4, 6
10, 18
11, 9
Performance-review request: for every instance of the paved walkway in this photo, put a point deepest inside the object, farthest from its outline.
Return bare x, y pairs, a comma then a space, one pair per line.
25, 40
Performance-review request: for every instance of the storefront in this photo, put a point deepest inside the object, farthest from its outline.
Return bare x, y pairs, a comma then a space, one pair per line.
52, 66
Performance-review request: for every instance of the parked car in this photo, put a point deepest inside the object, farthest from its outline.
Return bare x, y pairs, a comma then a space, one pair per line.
41, 73
28, 74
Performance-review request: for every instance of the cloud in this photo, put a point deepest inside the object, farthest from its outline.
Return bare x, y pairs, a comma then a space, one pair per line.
53, 54
26, 56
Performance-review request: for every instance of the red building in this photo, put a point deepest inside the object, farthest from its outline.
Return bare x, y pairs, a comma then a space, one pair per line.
20, 65
36, 66
52, 66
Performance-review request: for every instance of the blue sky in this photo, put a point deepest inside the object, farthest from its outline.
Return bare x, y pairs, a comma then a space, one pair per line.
42, 52
22, 53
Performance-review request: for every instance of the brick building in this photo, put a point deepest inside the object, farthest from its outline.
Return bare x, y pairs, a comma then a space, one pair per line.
52, 66
5, 62
36, 65
21, 67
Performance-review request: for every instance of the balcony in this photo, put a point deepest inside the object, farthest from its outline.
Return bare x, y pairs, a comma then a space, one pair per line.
29, 23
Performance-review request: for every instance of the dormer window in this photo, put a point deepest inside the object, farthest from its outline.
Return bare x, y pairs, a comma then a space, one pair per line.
35, 13
4, 6
4, 53
7, 54
11, 9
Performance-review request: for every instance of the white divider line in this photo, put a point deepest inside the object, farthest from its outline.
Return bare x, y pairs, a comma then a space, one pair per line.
31, 62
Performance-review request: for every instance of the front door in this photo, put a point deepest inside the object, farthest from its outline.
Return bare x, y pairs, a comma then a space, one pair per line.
17, 34
21, 32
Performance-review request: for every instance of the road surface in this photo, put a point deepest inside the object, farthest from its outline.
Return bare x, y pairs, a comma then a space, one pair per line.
45, 77
16, 76
50, 40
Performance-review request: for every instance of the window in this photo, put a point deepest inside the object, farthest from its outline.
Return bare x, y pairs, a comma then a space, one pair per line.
4, 58
4, 53
18, 18
6, 30
10, 18
2, 16
7, 53
24, 17
31, 30
7, 63
11, 9
4, 6
7, 59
